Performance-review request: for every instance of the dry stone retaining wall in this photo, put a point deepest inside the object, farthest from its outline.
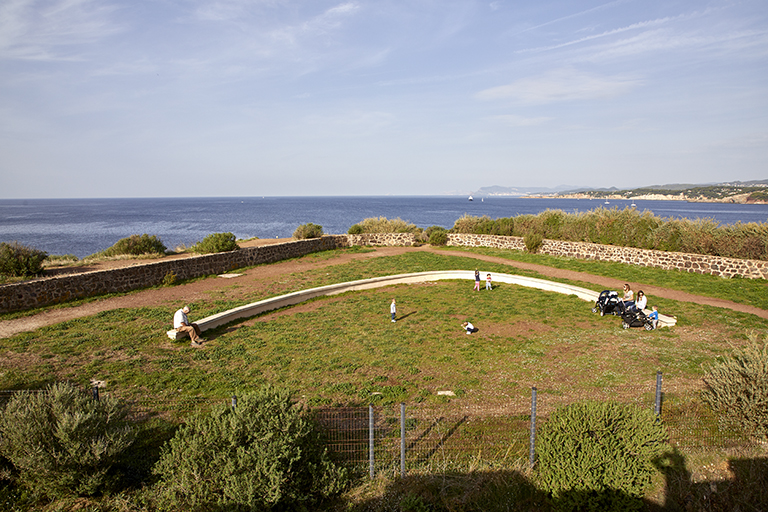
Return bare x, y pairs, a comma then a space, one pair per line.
47, 291
54, 290
699, 263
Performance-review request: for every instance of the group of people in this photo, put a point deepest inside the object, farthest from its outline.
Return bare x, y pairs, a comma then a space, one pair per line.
488, 285
639, 304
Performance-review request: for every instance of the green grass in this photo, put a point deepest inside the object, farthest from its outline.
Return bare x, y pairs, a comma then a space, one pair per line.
744, 291
343, 350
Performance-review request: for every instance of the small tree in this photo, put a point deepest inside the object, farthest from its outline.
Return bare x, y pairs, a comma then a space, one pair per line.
308, 230
19, 260
62, 441
599, 456
737, 388
135, 245
216, 242
264, 453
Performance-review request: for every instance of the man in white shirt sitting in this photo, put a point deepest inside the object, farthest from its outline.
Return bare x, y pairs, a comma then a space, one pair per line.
182, 324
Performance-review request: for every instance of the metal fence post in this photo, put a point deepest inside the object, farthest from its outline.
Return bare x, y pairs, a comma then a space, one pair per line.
402, 440
96, 393
370, 439
658, 393
533, 427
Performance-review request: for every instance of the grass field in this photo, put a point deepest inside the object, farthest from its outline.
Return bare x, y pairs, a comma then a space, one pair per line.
343, 350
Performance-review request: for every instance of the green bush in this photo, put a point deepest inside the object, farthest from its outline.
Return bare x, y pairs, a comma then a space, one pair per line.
308, 230
533, 242
135, 245
736, 387
599, 456
262, 454
384, 225
19, 260
355, 229
63, 442
216, 242
438, 237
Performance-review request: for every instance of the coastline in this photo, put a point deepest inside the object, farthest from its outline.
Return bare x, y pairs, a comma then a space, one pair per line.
736, 199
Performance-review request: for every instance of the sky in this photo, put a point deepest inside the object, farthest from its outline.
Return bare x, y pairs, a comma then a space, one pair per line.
162, 98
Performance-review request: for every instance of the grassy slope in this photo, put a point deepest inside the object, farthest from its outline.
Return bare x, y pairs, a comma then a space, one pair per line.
341, 350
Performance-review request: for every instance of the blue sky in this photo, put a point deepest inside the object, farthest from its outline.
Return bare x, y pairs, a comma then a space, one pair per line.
135, 98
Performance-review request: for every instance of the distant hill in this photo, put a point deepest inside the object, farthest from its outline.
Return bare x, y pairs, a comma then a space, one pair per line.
497, 190
734, 192
754, 191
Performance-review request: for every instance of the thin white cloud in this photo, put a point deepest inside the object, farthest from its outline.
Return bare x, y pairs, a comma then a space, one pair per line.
47, 30
560, 85
607, 33
570, 16
515, 120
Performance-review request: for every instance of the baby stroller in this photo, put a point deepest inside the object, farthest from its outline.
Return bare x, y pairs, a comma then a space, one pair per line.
636, 318
608, 303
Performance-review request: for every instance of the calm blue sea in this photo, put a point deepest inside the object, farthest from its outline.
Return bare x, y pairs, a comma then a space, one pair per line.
85, 226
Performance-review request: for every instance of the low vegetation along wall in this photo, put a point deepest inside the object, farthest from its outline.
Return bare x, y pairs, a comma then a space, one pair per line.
54, 290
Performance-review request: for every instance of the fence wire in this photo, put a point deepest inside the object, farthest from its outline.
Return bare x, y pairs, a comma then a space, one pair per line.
452, 436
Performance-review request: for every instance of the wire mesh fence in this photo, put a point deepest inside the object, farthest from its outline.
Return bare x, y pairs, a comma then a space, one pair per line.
399, 438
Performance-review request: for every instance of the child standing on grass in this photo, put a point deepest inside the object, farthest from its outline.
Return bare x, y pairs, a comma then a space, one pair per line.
654, 316
393, 310
477, 281
488, 282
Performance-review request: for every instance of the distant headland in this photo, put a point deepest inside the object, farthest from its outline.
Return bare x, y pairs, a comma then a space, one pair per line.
750, 192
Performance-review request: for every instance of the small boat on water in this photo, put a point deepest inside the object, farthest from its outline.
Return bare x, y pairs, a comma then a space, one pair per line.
470, 198
633, 205
606, 202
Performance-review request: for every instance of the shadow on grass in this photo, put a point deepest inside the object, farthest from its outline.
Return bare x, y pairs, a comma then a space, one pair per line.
510, 490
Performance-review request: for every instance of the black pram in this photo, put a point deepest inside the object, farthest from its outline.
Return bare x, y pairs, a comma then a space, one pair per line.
633, 317
608, 303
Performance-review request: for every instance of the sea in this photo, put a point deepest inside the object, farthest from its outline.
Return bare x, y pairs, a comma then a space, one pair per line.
85, 226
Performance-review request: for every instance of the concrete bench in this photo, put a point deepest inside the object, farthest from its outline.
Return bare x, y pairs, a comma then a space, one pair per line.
262, 306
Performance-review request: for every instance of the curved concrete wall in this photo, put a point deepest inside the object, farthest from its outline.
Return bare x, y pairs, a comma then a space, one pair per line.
262, 306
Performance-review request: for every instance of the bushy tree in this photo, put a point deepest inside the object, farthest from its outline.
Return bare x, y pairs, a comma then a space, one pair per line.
308, 230
737, 388
136, 245
61, 441
262, 454
599, 456
19, 260
216, 242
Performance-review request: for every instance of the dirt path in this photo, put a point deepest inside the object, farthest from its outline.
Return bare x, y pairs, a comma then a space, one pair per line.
262, 278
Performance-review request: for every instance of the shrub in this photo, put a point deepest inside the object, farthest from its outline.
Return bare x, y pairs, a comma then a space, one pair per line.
136, 245
355, 229
385, 225
599, 456
62, 441
170, 279
308, 230
19, 260
216, 242
533, 242
262, 454
438, 237
737, 388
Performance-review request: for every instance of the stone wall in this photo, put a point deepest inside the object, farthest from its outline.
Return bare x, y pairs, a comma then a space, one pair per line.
54, 290
702, 264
